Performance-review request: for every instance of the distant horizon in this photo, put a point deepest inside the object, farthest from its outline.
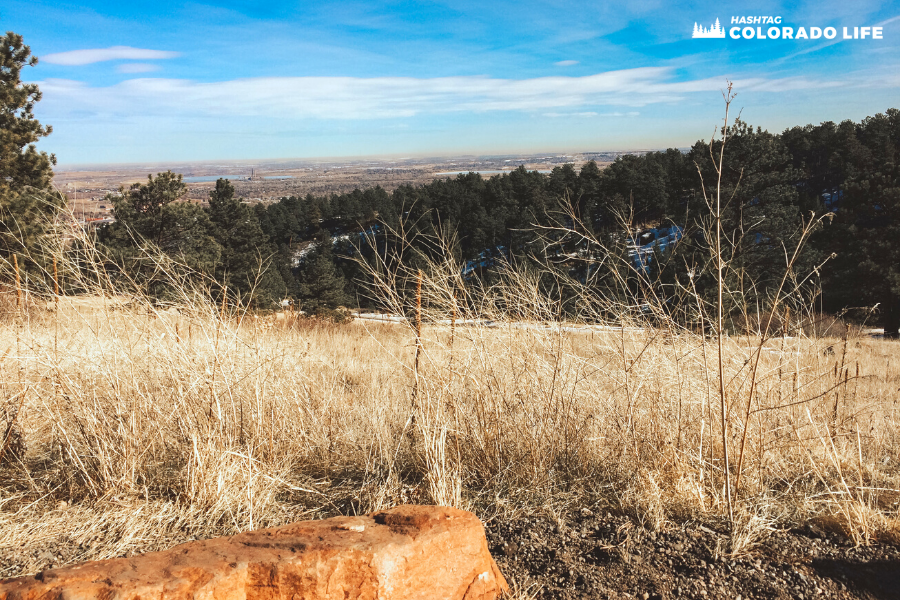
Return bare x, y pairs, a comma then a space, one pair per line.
361, 158
232, 79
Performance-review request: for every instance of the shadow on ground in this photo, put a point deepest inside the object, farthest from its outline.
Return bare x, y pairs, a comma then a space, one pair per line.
879, 579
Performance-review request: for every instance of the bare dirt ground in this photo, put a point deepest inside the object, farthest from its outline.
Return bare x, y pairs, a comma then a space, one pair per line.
605, 556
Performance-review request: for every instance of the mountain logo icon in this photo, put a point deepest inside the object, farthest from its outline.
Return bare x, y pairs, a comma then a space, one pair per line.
716, 31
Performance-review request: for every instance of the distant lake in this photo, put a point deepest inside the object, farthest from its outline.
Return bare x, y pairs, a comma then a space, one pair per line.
481, 172
203, 178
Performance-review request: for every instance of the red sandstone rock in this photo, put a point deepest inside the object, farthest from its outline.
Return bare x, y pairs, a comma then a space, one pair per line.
408, 552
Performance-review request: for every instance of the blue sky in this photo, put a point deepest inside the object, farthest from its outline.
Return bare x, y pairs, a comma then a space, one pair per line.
141, 82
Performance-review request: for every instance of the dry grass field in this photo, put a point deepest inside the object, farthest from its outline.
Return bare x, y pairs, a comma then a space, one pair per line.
129, 428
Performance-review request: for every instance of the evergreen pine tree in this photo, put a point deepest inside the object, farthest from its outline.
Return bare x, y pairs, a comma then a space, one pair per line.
247, 264
27, 208
866, 232
149, 220
322, 285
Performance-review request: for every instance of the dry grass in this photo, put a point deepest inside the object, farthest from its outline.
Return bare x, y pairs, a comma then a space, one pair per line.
155, 427
130, 427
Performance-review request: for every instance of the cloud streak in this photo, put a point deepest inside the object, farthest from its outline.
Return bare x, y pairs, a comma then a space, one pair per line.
557, 115
137, 68
347, 98
94, 55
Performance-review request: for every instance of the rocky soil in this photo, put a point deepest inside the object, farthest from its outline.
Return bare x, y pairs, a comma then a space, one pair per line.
606, 556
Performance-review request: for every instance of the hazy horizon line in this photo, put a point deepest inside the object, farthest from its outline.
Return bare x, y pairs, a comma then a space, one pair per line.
357, 158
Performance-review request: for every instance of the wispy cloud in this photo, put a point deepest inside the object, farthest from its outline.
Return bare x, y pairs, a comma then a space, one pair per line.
887, 21
94, 55
137, 68
566, 63
557, 115
391, 97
